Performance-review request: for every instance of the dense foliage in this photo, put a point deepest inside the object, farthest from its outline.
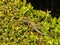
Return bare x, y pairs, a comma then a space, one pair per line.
14, 31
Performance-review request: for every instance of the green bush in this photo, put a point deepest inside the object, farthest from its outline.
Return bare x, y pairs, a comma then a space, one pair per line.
19, 22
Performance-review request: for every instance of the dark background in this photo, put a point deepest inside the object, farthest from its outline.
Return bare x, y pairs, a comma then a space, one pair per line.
52, 5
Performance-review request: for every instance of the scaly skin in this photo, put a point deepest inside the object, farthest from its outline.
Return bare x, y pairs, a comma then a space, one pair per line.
34, 27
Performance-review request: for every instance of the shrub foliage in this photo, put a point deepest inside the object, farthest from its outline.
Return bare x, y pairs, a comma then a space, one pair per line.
20, 24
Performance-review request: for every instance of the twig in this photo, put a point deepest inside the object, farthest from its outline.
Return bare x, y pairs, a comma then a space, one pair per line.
34, 27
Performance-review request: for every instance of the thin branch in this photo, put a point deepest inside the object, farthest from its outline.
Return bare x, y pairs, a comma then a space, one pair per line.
34, 27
